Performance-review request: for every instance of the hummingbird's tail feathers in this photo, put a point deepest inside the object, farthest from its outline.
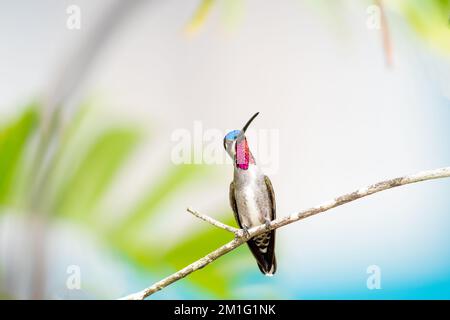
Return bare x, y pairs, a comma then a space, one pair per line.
263, 249
269, 270
273, 268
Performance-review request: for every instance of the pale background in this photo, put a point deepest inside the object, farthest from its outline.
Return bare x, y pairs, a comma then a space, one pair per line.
315, 73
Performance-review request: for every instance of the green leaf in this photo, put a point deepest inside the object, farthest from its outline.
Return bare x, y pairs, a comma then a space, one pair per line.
429, 19
199, 18
96, 172
177, 177
13, 141
70, 151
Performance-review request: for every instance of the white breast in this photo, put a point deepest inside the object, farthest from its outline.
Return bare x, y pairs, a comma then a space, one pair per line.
252, 216
251, 212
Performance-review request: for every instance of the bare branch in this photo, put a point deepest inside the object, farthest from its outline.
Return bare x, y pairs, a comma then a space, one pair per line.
275, 224
214, 222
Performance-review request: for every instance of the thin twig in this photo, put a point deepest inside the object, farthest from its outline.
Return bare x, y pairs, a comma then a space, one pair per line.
275, 224
214, 222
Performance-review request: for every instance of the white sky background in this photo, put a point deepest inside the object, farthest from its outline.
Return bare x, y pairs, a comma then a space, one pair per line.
345, 120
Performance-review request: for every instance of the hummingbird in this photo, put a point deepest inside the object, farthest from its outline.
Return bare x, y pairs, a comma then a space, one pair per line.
252, 198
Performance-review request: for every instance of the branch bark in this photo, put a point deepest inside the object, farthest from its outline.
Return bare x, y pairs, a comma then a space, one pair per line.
214, 222
241, 237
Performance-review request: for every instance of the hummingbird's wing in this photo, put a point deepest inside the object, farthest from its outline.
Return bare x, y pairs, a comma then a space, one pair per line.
262, 246
272, 197
271, 247
234, 205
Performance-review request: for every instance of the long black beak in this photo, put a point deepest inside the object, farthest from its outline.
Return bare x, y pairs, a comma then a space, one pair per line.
249, 121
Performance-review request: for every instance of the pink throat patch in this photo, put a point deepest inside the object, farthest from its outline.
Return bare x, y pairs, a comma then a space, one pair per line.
243, 156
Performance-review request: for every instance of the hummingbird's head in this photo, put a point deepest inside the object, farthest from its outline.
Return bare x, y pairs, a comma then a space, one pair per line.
235, 143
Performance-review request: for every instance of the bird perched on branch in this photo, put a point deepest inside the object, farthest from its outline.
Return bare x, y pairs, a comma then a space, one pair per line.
252, 198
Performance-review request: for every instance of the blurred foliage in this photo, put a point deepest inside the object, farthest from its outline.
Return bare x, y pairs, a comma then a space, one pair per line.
430, 19
231, 10
199, 18
83, 170
163, 190
213, 278
97, 170
13, 141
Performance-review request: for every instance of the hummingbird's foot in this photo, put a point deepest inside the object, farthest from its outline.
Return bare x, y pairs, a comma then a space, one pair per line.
245, 229
267, 224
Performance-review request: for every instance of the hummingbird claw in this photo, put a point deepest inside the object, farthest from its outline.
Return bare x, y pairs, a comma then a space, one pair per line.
267, 224
246, 233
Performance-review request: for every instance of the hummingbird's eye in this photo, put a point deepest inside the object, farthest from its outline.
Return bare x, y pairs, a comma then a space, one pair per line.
225, 143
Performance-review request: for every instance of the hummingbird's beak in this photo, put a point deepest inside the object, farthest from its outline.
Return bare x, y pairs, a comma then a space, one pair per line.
249, 121
242, 133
